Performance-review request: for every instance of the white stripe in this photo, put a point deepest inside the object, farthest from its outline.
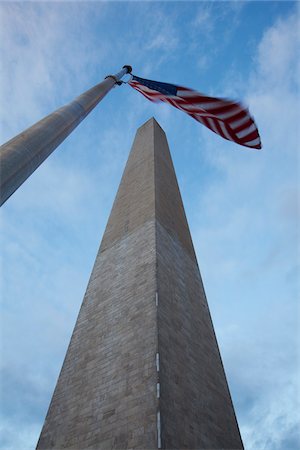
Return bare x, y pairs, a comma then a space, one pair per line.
252, 143
225, 132
158, 390
247, 131
213, 125
237, 123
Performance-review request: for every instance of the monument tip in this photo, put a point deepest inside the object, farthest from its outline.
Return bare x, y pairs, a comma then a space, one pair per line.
152, 121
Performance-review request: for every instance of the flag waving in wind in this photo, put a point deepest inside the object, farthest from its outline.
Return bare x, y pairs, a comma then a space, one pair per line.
229, 119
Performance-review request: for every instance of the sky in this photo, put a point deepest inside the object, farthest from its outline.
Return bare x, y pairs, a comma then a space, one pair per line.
242, 205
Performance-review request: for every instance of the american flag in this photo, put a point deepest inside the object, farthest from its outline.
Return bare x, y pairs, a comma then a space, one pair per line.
227, 118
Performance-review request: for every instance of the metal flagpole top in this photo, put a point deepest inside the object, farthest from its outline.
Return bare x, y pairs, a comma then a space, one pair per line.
117, 77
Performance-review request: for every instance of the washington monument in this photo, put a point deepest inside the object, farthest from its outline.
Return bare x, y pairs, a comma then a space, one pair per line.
143, 368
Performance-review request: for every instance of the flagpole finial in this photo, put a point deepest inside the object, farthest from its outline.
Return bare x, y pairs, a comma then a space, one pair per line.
129, 68
117, 77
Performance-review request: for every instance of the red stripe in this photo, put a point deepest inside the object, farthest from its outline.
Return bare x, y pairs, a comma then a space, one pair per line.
258, 146
250, 137
207, 124
231, 133
244, 126
220, 130
238, 116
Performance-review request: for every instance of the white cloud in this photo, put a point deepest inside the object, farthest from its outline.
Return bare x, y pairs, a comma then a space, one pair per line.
24, 440
251, 230
211, 15
269, 424
40, 56
278, 53
203, 61
204, 20
158, 41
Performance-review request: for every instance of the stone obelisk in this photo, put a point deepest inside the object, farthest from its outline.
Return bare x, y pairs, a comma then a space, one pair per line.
143, 369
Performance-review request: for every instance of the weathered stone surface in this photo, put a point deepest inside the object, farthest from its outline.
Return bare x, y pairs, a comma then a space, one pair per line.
145, 296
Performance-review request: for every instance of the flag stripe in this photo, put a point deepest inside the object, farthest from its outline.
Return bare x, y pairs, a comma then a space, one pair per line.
240, 123
246, 131
253, 143
226, 132
212, 125
250, 137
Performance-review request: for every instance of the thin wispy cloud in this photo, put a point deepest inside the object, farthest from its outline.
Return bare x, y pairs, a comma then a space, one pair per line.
253, 216
44, 53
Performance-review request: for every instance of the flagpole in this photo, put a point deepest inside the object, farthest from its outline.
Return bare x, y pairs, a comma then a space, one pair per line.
23, 154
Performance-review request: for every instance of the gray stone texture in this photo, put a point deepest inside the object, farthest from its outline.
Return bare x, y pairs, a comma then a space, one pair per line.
145, 295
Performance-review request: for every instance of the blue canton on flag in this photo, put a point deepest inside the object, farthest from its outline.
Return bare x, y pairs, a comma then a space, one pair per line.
163, 88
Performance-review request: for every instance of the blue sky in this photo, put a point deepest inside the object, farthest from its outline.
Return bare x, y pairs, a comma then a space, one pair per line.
242, 205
